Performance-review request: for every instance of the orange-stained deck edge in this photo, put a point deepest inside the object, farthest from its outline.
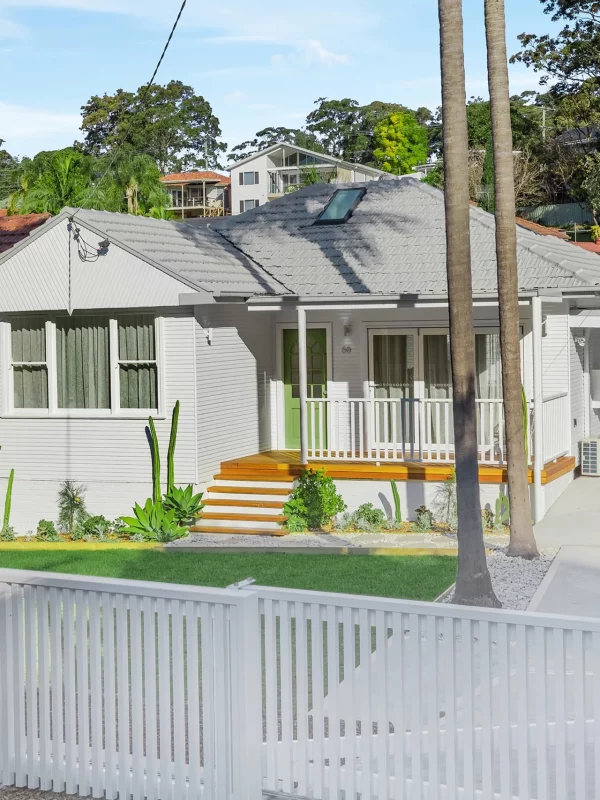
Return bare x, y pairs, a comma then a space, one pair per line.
284, 465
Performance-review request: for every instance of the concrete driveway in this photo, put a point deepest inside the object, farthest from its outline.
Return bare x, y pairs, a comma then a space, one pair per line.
575, 517
571, 585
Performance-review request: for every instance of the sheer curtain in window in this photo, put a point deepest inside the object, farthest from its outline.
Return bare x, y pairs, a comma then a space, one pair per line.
30, 374
488, 366
393, 374
438, 386
83, 362
137, 362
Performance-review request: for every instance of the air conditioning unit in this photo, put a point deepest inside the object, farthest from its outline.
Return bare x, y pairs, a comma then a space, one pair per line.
590, 457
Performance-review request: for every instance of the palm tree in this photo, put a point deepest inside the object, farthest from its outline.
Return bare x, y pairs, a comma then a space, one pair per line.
473, 582
522, 541
53, 180
136, 179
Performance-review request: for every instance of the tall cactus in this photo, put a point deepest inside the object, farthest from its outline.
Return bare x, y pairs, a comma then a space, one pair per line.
8, 501
156, 490
171, 453
397, 506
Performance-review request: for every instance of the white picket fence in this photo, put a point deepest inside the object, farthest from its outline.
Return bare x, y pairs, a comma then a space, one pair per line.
144, 690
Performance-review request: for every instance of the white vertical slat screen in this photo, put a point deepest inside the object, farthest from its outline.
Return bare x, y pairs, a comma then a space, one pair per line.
122, 689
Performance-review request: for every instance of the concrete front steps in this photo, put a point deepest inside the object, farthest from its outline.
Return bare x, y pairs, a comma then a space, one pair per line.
245, 504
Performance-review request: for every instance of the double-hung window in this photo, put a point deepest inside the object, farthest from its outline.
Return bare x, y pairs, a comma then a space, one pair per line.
94, 363
249, 178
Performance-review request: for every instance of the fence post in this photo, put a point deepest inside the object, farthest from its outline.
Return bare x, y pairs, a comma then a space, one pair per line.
247, 698
7, 731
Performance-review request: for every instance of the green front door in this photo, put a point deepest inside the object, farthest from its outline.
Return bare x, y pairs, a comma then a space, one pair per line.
316, 369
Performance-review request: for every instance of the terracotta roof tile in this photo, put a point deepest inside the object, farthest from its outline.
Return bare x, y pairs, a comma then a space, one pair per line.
17, 227
544, 230
207, 175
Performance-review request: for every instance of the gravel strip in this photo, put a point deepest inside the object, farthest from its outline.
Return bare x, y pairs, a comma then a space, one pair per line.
516, 579
316, 540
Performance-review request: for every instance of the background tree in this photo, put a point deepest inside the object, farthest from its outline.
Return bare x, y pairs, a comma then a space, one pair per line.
400, 143
270, 136
174, 126
522, 542
10, 174
473, 582
487, 191
133, 185
335, 123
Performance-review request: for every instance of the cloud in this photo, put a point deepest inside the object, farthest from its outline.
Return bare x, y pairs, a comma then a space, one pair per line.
10, 30
317, 54
235, 97
24, 128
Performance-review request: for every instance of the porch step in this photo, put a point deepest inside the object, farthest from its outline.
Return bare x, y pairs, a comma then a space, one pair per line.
243, 531
258, 482
237, 521
236, 502
213, 516
245, 489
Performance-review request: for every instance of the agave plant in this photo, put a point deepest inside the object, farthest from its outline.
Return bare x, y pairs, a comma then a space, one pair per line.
154, 523
184, 503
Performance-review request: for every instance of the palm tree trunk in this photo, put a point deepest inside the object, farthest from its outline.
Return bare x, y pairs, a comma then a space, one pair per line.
522, 541
473, 582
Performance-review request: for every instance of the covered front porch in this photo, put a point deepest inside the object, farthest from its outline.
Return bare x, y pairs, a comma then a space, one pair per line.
365, 392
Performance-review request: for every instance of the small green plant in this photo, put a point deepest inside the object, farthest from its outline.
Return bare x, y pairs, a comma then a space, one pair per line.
445, 502
314, 502
487, 518
502, 515
184, 503
7, 534
71, 506
153, 523
46, 531
8, 500
374, 517
425, 519
98, 527
397, 505
595, 232
171, 451
156, 490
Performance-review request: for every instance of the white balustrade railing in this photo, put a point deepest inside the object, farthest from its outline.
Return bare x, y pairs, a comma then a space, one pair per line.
408, 429
557, 440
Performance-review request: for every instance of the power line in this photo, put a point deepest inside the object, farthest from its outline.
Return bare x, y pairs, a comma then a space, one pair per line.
140, 106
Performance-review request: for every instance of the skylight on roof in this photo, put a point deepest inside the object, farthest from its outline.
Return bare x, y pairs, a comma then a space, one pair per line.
341, 207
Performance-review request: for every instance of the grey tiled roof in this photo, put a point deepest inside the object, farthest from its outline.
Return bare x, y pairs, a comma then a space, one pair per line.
187, 249
394, 243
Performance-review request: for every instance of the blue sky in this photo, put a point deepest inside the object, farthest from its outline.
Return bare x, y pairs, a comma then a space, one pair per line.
258, 63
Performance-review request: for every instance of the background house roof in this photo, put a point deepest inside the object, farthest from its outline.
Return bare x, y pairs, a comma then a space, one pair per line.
395, 242
323, 156
188, 177
191, 251
15, 228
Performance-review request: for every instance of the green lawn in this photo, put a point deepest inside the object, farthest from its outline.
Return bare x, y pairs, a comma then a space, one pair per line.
414, 577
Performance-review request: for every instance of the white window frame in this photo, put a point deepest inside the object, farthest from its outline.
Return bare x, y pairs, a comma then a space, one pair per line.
253, 182
53, 411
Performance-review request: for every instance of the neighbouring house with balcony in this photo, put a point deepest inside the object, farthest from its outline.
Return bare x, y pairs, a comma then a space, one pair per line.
280, 169
198, 194
312, 331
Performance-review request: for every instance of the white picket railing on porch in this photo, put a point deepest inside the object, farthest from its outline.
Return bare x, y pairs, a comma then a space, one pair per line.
398, 430
154, 692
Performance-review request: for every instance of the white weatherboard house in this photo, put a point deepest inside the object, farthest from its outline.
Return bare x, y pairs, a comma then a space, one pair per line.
279, 169
313, 329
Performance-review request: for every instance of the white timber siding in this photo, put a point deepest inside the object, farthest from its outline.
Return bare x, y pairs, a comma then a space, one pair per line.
110, 455
594, 345
40, 278
577, 392
233, 384
258, 192
555, 350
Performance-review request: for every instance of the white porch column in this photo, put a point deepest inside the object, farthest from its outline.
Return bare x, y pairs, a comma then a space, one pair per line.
303, 385
538, 410
587, 392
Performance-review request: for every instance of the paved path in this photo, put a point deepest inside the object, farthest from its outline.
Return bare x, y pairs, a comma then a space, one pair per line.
575, 517
572, 584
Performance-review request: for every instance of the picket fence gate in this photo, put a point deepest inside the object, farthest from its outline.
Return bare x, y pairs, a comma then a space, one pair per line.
129, 689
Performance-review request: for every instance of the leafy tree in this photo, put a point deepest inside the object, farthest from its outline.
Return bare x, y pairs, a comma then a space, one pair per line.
591, 184
334, 122
570, 58
54, 179
487, 179
173, 125
10, 173
525, 118
270, 136
435, 177
401, 143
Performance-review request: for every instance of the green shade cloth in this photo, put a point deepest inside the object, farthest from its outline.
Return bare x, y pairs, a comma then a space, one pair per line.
29, 345
83, 362
138, 382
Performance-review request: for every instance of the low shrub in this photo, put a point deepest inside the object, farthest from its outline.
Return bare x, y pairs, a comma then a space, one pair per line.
373, 516
154, 523
97, 527
46, 531
186, 505
71, 506
7, 534
425, 519
314, 502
